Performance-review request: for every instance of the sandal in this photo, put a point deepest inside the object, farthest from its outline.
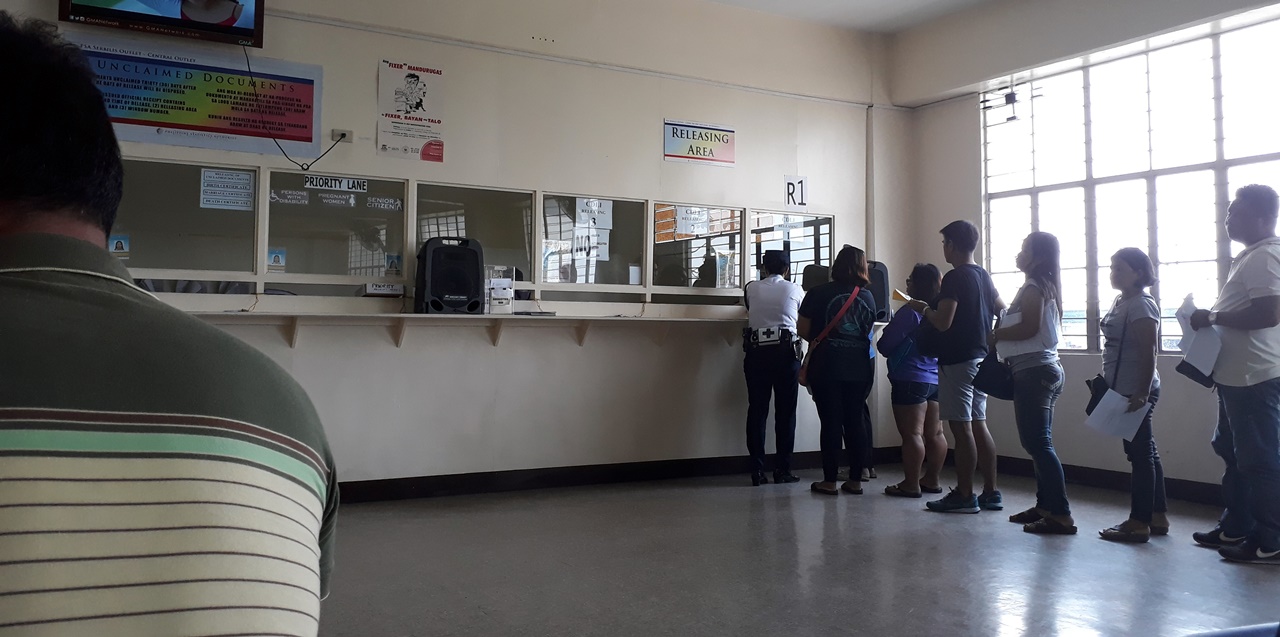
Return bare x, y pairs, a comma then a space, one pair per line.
1030, 516
1049, 526
929, 489
818, 488
1123, 533
1159, 530
848, 488
898, 492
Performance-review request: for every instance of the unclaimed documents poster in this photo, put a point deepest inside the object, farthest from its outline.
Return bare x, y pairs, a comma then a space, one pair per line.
409, 120
160, 93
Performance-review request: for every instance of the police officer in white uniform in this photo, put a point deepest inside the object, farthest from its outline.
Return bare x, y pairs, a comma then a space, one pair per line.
772, 364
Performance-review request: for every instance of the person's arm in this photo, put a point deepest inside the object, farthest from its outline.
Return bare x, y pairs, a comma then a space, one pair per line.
897, 331
803, 321
1261, 313
802, 326
1032, 305
1144, 332
746, 298
940, 318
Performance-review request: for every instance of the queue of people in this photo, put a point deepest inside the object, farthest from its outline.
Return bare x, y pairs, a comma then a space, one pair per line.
934, 348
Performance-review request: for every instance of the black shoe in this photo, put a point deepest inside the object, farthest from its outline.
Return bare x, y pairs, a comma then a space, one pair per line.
1216, 539
784, 477
1251, 552
758, 478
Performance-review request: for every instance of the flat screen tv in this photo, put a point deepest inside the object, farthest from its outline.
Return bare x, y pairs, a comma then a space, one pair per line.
231, 21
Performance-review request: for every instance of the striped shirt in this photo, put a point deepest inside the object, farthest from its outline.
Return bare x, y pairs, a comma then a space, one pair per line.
157, 476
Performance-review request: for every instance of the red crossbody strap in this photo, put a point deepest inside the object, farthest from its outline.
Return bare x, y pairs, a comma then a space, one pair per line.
839, 316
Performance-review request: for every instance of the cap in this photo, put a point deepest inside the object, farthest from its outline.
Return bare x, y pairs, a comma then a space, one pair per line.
776, 256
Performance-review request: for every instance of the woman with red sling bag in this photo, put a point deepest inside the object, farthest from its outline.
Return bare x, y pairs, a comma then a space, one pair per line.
838, 368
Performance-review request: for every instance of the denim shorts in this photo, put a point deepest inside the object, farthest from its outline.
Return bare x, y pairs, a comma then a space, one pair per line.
907, 392
958, 399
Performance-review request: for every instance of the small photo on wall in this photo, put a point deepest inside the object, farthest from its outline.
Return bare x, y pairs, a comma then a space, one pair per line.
276, 260
118, 246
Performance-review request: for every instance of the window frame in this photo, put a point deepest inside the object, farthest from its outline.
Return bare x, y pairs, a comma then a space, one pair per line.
1219, 166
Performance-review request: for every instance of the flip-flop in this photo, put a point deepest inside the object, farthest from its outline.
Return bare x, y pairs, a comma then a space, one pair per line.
937, 489
818, 488
1049, 526
898, 492
1030, 516
850, 490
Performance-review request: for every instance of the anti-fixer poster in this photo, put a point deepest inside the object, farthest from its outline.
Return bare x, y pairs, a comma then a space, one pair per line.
409, 118
193, 96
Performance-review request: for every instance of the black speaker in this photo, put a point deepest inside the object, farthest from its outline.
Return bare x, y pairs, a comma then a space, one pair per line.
450, 277
879, 288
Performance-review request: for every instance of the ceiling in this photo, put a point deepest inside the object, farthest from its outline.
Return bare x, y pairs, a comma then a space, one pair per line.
865, 15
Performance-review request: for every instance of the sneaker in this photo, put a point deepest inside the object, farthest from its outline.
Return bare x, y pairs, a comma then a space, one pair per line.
953, 502
991, 501
1216, 539
1251, 552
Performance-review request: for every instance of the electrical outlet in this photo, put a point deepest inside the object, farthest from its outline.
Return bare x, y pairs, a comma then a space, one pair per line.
337, 135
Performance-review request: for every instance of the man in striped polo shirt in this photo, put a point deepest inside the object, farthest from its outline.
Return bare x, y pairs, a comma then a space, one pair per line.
157, 476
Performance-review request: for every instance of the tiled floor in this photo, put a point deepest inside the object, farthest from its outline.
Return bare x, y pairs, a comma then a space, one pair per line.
716, 557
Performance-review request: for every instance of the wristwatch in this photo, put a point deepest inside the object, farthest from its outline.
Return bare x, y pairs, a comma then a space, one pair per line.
1213, 318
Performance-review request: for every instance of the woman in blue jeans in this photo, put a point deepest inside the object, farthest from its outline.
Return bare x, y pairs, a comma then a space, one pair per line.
1028, 341
1131, 330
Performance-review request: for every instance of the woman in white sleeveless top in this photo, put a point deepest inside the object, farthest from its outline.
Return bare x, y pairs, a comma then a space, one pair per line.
1028, 341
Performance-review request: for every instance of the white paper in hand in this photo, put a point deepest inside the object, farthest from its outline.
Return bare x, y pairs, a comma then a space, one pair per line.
1184, 321
1111, 418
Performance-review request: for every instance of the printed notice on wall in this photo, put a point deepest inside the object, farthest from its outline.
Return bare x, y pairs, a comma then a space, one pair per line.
226, 189
187, 96
698, 143
409, 118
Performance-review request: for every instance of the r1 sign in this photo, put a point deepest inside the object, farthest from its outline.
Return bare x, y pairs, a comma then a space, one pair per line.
795, 198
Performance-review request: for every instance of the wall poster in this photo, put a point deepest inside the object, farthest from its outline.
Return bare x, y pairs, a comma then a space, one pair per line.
409, 119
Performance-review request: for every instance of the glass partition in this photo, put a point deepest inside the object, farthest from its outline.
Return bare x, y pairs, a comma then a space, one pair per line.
805, 238
501, 221
186, 217
325, 224
697, 246
593, 241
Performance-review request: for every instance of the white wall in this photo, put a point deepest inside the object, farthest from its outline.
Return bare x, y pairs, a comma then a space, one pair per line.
955, 53
450, 402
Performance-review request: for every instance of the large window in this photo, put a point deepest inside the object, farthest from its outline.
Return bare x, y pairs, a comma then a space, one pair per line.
1140, 151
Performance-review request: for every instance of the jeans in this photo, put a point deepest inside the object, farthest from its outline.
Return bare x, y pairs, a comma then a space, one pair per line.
772, 372
1147, 482
839, 406
1248, 440
1035, 391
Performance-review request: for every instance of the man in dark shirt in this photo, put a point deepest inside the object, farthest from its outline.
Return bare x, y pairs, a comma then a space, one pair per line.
966, 309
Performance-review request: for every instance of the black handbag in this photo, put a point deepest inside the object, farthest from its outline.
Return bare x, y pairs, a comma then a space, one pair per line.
1098, 385
994, 377
1190, 371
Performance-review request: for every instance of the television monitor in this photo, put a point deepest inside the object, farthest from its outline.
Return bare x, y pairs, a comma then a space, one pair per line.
231, 21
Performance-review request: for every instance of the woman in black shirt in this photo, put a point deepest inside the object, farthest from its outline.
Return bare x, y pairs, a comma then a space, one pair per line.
840, 366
